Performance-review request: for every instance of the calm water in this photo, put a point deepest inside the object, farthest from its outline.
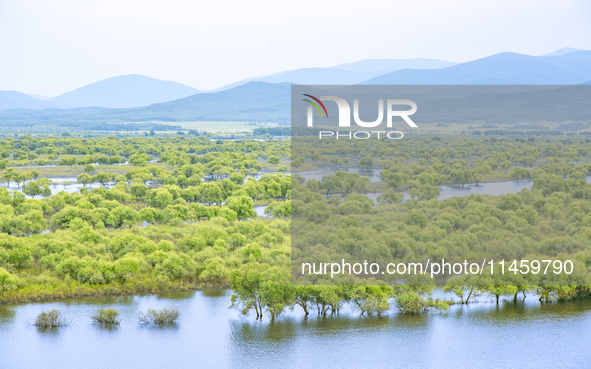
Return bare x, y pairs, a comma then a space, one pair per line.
373, 174
260, 210
67, 184
209, 335
489, 188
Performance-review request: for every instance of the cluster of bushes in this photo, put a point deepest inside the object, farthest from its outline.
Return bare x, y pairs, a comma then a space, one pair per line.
174, 151
106, 316
50, 319
126, 205
552, 218
156, 258
54, 318
426, 160
159, 317
133, 238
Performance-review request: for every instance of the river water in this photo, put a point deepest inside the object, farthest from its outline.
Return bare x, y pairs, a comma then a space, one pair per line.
210, 335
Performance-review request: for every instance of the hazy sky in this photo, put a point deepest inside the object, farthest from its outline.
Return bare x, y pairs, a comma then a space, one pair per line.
49, 47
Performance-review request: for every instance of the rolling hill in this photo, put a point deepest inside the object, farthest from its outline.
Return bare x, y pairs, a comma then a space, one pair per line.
18, 100
125, 92
562, 51
254, 101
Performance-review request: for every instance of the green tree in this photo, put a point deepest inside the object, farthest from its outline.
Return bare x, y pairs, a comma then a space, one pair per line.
464, 287
428, 192
182, 181
304, 297
389, 197
242, 205
39, 187
262, 288
138, 160
159, 198
411, 302
461, 177
84, 178
371, 300
9, 175
416, 217
139, 189
7, 281
279, 209
366, 162
210, 193
102, 178
520, 173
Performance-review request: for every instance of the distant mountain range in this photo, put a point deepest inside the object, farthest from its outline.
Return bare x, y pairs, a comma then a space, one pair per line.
142, 99
564, 50
499, 69
344, 74
254, 102
136, 90
117, 92
39, 97
267, 102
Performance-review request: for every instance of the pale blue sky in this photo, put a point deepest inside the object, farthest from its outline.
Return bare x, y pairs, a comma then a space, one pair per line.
51, 47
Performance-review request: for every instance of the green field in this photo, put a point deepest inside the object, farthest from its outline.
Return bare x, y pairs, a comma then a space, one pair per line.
221, 127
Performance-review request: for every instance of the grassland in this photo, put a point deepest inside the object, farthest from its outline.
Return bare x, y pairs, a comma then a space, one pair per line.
221, 127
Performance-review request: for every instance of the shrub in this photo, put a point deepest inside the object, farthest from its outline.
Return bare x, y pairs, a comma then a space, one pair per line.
412, 303
106, 316
160, 317
51, 318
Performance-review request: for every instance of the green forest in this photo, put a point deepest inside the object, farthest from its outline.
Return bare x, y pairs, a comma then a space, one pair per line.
176, 213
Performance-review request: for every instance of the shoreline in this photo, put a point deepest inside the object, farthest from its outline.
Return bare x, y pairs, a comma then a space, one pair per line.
85, 291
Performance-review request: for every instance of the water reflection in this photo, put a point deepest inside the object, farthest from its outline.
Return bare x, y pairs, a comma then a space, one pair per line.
273, 332
180, 296
49, 331
106, 328
214, 293
7, 314
156, 328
